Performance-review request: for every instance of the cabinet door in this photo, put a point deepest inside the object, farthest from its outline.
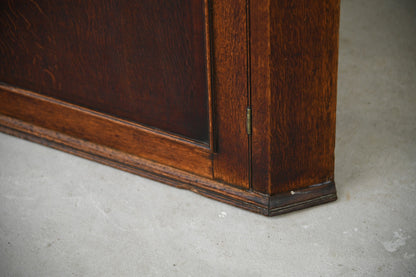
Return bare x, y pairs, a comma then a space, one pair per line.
160, 80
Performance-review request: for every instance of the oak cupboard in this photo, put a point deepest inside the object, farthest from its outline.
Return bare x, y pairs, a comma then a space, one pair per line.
232, 99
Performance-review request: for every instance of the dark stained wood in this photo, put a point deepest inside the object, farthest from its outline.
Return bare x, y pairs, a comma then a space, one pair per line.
104, 130
304, 47
206, 186
231, 162
299, 198
297, 89
217, 57
209, 69
150, 69
260, 94
249, 200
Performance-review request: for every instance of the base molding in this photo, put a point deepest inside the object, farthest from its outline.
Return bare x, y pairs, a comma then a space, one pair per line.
246, 199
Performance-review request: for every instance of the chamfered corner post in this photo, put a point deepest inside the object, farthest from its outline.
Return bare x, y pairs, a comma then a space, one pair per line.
294, 61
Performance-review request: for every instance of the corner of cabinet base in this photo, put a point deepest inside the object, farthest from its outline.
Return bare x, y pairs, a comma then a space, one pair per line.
303, 198
268, 205
272, 205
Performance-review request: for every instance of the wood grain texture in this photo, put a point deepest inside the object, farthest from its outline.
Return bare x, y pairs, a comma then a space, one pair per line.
217, 57
150, 69
231, 162
104, 130
296, 87
301, 198
209, 68
260, 94
304, 47
253, 201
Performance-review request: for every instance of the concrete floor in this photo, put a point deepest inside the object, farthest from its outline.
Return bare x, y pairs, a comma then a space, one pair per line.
61, 215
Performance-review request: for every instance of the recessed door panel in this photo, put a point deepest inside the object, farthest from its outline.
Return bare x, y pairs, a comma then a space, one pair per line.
153, 85
142, 61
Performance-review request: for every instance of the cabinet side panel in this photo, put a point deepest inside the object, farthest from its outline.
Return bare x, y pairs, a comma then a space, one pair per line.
231, 161
260, 93
304, 47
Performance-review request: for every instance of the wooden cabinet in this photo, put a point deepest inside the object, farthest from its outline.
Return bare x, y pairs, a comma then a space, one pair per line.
232, 99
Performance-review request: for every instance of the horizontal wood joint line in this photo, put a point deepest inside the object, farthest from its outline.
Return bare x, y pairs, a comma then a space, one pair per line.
168, 136
252, 201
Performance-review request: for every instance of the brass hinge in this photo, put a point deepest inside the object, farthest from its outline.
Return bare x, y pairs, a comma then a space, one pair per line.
248, 123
